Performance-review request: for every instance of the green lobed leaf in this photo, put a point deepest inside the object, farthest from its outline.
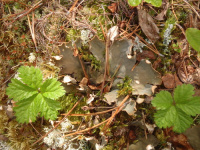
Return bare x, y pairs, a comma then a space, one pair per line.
50, 106
173, 117
34, 98
193, 37
182, 121
165, 118
51, 89
28, 109
183, 93
191, 106
134, 2
163, 100
19, 91
31, 76
156, 3
176, 114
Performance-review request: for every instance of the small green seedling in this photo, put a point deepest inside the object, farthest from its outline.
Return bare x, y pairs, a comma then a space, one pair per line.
33, 96
176, 111
156, 3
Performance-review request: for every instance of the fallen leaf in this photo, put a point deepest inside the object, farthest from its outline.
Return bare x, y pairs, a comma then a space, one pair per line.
113, 33
196, 76
148, 26
83, 83
180, 142
162, 14
113, 7
145, 54
150, 127
131, 135
169, 81
184, 75
177, 80
69, 80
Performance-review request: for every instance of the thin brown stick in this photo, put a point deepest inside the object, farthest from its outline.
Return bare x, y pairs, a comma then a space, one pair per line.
106, 72
192, 9
32, 30
88, 129
116, 112
35, 129
129, 34
174, 11
73, 6
148, 45
92, 114
26, 12
58, 123
83, 67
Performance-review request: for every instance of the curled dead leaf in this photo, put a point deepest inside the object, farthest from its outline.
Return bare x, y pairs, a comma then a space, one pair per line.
148, 25
168, 81
113, 7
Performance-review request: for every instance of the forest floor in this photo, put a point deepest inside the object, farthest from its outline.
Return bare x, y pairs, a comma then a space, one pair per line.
126, 77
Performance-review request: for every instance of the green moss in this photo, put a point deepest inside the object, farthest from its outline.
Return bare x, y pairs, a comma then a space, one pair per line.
72, 34
68, 101
3, 121
125, 88
17, 138
88, 57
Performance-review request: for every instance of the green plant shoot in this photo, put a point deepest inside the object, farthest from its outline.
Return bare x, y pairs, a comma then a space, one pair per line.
156, 3
33, 96
176, 111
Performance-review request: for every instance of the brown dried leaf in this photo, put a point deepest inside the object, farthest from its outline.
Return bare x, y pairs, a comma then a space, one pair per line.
180, 142
83, 83
148, 26
177, 81
196, 76
145, 54
165, 5
184, 75
113, 7
169, 81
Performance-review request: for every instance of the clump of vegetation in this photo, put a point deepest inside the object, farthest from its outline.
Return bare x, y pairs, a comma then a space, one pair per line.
88, 57
125, 88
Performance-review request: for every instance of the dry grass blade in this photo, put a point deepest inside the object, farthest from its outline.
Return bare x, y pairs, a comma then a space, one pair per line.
32, 30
